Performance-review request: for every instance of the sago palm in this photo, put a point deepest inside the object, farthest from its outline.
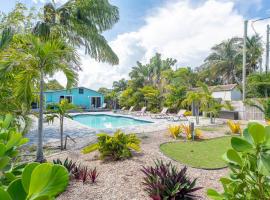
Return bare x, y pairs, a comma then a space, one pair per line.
32, 59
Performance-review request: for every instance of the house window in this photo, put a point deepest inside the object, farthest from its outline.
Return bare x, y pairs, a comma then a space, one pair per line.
81, 91
69, 98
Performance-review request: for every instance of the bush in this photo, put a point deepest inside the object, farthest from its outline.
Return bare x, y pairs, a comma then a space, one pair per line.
234, 126
165, 181
114, 147
248, 161
174, 130
186, 130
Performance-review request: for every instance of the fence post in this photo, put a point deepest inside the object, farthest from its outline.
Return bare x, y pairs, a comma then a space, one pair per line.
192, 129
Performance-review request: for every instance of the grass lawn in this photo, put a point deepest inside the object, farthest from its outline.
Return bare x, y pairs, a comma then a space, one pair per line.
200, 154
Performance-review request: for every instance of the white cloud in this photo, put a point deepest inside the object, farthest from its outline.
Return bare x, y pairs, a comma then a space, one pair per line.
178, 29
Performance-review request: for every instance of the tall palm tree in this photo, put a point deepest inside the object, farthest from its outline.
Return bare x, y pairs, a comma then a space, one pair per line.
80, 23
32, 59
254, 53
224, 60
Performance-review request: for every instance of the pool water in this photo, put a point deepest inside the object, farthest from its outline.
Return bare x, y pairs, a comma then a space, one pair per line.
102, 121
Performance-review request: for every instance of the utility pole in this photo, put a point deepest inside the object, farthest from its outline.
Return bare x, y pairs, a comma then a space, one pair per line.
267, 49
244, 60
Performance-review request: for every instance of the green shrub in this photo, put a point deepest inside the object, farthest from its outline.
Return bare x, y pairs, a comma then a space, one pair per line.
114, 147
38, 181
249, 162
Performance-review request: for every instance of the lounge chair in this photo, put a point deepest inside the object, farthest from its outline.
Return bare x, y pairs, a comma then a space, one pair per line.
179, 116
142, 112
128, 111
163, 114
123, 109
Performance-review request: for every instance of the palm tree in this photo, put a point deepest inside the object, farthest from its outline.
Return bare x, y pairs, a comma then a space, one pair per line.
254, 53
60, 111
31, 59
193, 98
81, 24
224, 60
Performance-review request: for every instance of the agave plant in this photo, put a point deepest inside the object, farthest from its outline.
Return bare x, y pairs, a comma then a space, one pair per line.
165, 181
115, 147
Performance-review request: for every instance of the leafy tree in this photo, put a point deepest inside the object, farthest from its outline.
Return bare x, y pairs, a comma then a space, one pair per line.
254, 53
258, 85
32, 59
60, 111
53, 85
121, 85
151, 97
225, 59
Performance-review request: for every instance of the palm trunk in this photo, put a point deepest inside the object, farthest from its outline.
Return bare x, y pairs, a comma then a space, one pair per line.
39, 155
61, 130
197, 115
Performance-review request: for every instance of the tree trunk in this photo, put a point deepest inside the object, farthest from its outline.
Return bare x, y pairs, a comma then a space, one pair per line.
61, 131
39, 155
211, 118
197, 115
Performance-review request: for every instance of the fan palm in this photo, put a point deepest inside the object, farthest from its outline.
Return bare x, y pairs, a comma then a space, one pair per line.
224, 60
254, 53
31, 59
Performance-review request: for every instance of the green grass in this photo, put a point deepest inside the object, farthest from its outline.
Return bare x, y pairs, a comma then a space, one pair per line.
205, 154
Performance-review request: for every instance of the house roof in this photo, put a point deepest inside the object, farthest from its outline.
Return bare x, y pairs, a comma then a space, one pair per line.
51, 91
219, 88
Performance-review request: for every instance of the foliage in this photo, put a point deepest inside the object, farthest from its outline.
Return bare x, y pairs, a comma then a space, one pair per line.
29, 187
114, 147
93, 174
188, 113
151, 97
205, 154
248, 161
68, 164
234, 126
165, 181
258, 85
174, 130
60, 111
10, 141
53, 85
228, 106
186, 130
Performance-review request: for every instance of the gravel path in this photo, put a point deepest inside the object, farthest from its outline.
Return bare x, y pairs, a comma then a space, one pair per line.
122, 180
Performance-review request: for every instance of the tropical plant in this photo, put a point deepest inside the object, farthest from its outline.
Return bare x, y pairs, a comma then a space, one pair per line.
60, 111
234, 127
30, 187
165, 181
114, 147
93, 174
248, 161
53, 85
174, 130
10, 141
31, 59
258, 85
68, 164
186, 130
193, 99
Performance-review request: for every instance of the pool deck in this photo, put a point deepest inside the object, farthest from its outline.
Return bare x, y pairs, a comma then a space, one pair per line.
84, 134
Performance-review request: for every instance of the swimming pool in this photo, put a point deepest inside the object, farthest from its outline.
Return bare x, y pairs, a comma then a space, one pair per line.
102, 121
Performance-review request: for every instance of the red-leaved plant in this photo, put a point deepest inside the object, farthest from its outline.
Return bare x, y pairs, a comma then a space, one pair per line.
93, 174
165, 181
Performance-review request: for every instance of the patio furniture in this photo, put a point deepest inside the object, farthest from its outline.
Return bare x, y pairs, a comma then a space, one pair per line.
142, 112
162, 115
123, 109
128, 111
180, 116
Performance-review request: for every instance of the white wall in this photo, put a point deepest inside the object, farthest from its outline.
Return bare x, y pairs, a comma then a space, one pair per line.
224, 95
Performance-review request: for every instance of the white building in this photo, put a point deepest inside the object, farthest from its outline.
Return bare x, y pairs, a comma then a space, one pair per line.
228, 92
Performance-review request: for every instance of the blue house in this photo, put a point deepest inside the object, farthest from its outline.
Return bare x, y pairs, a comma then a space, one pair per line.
79, 96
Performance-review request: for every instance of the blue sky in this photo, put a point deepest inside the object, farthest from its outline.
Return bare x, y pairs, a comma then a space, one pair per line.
132, 12
181, 29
